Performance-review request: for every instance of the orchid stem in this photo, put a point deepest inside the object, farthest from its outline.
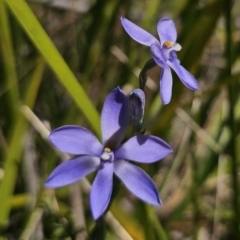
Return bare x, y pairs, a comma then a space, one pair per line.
99, 231
143, 74
232, 98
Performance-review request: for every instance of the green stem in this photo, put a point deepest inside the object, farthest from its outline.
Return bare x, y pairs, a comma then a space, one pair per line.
99, 231
232, 98
155, 221
143, 74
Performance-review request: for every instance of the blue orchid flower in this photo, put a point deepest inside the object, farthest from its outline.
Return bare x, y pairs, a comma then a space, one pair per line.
109, 157
164, 54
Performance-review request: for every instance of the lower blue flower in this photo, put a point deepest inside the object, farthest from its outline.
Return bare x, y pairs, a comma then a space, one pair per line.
109, 157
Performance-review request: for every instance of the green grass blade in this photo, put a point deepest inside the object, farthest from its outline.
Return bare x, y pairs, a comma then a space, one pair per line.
10, 77
15, 147
43, 43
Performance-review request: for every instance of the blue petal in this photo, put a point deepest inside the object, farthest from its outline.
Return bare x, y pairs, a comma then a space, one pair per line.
137, 33
143, 148
166, 85
75, 140
101, 190
72, 170
137, 181
114, 118
166, 30
186, 77
157, 55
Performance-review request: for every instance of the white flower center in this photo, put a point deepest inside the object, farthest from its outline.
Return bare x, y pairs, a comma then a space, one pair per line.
169, 46
107, 155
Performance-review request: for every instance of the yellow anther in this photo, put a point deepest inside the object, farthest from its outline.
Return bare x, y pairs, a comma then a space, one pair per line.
107, 149
168, 44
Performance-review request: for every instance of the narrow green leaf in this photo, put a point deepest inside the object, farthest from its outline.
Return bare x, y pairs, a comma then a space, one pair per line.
15, 147
43, 43
160, 232
10, 77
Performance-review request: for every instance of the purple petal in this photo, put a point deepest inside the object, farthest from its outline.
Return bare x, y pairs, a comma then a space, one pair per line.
75, 140
72, 170
114, 118
166, 85
137, 33
137, 181
186, 77
157, 55
166, 30
173, 57
101, 190
143, 148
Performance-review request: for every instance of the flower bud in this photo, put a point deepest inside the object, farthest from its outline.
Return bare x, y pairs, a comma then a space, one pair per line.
136, 104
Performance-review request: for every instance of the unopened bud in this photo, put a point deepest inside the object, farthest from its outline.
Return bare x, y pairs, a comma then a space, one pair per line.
136, 104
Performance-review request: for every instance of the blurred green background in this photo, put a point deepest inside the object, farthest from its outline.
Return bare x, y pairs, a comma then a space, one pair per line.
58, 61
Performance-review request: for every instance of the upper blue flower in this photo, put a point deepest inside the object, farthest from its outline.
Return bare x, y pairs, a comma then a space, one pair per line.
108, 157
163, 53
